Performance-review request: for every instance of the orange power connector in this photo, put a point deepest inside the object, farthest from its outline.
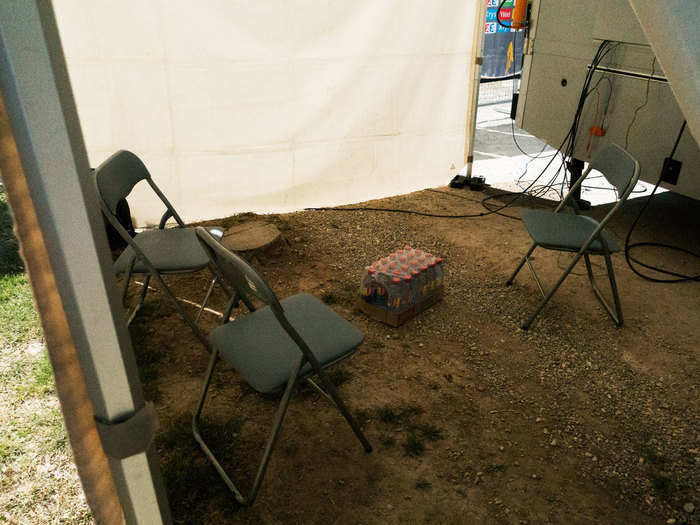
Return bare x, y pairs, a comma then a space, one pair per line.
519, 19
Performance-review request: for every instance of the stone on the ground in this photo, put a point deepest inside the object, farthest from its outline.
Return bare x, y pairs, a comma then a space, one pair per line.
253, 238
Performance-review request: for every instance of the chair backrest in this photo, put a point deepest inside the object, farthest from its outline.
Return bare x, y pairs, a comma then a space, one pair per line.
618, 167
237, 272
117, 176
247, 282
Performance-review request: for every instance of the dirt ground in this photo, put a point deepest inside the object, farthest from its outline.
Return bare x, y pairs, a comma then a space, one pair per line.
473, 420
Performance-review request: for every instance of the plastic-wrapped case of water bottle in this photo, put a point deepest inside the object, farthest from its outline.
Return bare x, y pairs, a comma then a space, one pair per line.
404, 283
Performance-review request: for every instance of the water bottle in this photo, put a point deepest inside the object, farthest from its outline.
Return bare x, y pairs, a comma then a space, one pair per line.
380, 291
367, 289
416, 286
439, 272
431, 275
407, 290
425, 284
394, 295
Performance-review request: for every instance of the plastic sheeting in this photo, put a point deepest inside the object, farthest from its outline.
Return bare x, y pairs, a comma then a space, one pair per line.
273, 105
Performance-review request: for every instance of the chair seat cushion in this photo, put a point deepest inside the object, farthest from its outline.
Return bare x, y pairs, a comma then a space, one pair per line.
564, 231
169, 250
263, 353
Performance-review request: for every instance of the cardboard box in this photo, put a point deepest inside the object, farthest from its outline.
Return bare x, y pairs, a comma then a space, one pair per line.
399, 318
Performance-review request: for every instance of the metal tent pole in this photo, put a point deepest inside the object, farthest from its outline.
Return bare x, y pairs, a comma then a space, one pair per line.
45, 168
473, 99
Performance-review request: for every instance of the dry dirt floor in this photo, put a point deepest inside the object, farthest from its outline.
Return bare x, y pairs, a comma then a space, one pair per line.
472, 419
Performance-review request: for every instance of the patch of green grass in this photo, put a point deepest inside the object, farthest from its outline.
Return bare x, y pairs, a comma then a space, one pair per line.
403, 418
422, 484
10, 261
43, 373
33, 431
339, 375
413, 446
38, 382
8, 447
19, 322
362, 417
398, 415
429, 432
662, 483
387, 440
491, 469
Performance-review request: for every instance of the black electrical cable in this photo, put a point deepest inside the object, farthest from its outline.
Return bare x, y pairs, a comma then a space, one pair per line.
474, 200
642, 105
677, 277
600, 54
407, 212
569, 141
603, 49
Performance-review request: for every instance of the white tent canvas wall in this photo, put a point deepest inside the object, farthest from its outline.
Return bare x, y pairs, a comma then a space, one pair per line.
277, 105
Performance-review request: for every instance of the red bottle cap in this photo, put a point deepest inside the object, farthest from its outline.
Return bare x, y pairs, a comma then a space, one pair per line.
404, 267
438, 260
407, 247
406, 277
396, 272
395, 280
371, 270
431, 264
415, 272
424, 268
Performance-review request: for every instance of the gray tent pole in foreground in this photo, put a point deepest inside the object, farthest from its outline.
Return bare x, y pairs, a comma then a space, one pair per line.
45, 170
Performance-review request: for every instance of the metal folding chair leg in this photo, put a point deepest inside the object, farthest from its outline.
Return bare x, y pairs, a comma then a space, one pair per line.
181, 310
333, 393
142, 298
271, 441
536, 277
127, 280
615, 315
613, 287
206, 298
564, 275
319, 389
520, 265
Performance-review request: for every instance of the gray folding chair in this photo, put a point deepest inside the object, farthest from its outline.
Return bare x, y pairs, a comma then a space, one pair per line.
153, 252
580, 234
273, 348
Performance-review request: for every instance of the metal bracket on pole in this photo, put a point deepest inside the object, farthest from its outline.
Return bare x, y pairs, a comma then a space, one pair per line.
126, 438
